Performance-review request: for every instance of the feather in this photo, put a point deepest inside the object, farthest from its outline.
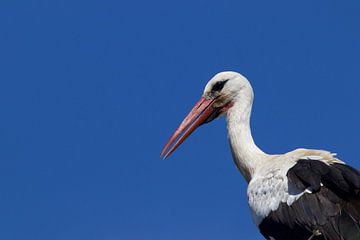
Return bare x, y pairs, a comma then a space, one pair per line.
332, 210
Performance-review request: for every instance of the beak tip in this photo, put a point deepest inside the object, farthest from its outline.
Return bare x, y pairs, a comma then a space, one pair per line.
163, 154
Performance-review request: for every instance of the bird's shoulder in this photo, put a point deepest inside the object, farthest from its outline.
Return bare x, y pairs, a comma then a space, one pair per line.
284, 162
317, 168
308, 154
313, 154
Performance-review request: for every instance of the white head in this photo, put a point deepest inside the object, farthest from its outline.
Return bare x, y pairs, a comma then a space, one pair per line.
220, 94
226, 88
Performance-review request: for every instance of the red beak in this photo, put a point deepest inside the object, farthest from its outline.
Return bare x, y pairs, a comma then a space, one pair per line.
202, 110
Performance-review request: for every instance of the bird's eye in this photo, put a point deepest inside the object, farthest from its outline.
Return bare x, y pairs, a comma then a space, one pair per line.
218, 86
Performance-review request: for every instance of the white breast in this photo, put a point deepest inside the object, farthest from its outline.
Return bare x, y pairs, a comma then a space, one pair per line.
265, 193
269, 187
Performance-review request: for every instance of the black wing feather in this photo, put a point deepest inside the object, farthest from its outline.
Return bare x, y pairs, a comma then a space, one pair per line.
332, 208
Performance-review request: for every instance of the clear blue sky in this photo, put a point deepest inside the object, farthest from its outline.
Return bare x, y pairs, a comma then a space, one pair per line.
90, 91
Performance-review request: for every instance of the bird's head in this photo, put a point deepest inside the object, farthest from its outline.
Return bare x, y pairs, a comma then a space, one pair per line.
219, 95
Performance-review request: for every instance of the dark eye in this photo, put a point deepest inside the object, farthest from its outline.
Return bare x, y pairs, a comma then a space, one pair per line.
218, 86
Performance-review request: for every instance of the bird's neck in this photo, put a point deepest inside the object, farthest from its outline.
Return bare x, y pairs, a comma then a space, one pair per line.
246, 154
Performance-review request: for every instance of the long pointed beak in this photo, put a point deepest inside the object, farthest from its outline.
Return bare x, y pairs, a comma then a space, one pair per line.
200, 113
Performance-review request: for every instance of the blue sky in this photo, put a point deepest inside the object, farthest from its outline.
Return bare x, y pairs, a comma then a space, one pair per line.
90, 91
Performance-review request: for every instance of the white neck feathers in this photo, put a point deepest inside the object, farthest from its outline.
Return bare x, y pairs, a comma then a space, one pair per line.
246, 154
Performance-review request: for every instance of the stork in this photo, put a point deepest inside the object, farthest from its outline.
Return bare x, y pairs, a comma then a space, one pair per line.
305, 194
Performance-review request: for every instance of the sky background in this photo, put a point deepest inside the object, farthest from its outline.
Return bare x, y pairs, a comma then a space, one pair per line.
90, 91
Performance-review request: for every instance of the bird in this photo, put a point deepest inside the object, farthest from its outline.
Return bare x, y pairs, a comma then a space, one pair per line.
304, 194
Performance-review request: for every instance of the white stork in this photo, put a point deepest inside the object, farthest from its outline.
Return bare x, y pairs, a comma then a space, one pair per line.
304, 194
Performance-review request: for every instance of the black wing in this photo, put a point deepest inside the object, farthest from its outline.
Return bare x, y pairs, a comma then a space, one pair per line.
330, 212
